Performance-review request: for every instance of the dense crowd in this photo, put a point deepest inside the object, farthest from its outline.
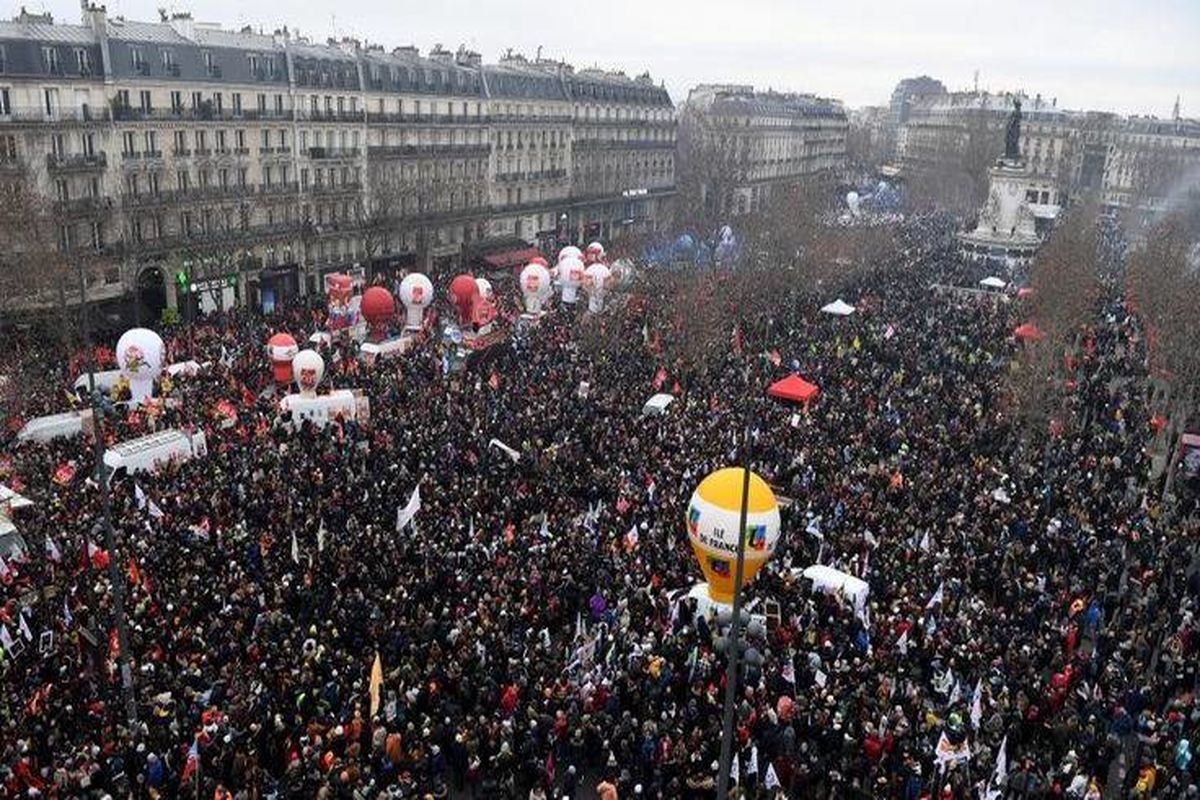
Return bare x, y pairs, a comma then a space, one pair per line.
531, 648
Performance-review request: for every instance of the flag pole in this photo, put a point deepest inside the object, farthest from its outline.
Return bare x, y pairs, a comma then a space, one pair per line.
731, 675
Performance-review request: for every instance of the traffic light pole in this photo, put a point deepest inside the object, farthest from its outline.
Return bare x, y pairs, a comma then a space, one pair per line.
735, 647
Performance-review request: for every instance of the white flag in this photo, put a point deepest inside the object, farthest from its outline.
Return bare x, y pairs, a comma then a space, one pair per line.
295, 549
902, 643
405, 514
977, 704
752, 764
996, 784
789, 672
937, 596
508, 451
6, 640
52, 551
955, 694
321, 536
735, 770
872, 542
471, 529
68, 617
924, 545
3, 568
153, 509
771, 780
631, 538
23, 627
140, 496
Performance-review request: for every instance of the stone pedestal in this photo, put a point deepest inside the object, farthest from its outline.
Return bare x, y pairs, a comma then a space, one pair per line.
1006, 229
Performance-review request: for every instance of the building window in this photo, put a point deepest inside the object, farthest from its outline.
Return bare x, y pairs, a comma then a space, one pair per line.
50, 59
5, 107
97, 236
83, 60
237, 103
51, 99
176, 102
137, 61
144, 99
8, 148
197, 100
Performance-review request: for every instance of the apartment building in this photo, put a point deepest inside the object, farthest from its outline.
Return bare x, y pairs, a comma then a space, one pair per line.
181, 156
745, 144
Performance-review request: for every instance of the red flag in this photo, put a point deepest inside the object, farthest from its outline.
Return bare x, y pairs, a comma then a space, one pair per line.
134, 574
494, 381
509, 533
659, 378
736, 339
774, 357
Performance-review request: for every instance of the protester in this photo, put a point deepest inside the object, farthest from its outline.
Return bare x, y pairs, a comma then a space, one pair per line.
1024, 588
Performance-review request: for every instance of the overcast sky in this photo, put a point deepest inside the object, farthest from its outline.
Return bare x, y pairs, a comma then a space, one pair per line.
1132, 56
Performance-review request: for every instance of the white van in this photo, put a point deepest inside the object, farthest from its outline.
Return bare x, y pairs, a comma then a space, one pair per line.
144, 454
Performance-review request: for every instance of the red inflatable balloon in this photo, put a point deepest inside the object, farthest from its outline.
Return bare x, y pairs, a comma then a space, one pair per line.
463, 291
377, 307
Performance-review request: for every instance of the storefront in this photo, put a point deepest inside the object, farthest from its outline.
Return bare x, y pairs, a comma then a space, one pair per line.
274, 287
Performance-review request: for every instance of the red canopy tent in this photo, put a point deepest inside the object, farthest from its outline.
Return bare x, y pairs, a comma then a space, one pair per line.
795, 389
1028, 332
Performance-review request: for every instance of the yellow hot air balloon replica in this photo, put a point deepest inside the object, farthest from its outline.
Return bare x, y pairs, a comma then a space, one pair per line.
713, 515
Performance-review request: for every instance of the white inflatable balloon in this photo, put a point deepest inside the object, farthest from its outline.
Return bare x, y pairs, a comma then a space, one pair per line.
140, 356
570, 251
570, 277
596, 281
852, 200
535, 287
308, 368
416, 293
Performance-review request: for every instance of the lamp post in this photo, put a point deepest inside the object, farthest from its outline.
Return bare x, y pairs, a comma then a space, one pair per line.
114, 573
731, 675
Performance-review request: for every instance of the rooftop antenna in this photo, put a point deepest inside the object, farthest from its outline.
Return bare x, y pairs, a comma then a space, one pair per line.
539, 53
1175, 111
976, 81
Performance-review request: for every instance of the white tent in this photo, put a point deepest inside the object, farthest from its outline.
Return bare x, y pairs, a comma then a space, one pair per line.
993, 283
839, 308
10, 499
657, 404
828, 579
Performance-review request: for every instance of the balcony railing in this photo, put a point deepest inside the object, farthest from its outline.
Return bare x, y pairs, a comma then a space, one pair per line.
376, 117
36, 114
420, 150
329, 116
193, 194
76, 161
627, 144
82, 206
333, 152
130, 114
335, 188
531, 118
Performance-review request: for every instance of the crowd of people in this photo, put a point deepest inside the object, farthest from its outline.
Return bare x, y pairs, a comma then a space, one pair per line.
1029, 602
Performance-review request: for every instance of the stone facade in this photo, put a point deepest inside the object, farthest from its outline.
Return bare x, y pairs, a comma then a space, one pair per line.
268, 160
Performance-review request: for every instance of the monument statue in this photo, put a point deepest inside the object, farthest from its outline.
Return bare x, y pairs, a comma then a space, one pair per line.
1012, 136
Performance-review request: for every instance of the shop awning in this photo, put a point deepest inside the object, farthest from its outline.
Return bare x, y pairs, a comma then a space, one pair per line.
512, 258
